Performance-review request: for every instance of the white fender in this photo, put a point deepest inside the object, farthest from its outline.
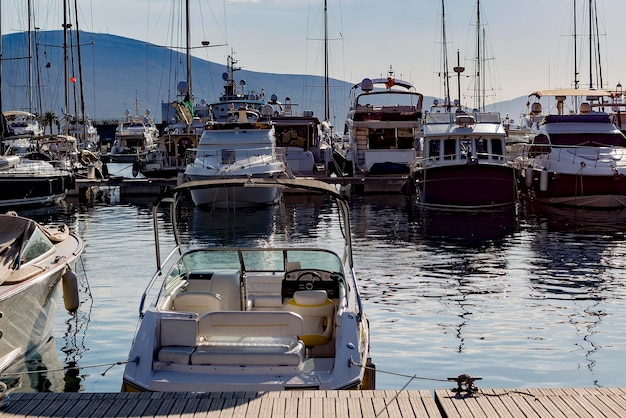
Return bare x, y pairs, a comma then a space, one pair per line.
70, 291
543, 180
528, 176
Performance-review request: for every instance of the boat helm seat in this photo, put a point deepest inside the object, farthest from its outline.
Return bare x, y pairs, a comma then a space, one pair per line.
318, 313
199, 302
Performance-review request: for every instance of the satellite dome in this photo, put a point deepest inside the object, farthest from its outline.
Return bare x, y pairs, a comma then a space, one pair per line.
182, 88
274, 97
367, 85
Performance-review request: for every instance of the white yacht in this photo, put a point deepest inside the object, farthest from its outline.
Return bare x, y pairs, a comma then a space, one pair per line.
575, 156
239, 144
381, 132
135, 137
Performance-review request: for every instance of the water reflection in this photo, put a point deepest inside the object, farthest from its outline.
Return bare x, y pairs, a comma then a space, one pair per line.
41, 371
468, 226
575, 251
226, 227
576, 220
295, 219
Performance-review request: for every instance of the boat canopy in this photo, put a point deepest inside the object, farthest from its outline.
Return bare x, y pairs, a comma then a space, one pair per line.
571, 92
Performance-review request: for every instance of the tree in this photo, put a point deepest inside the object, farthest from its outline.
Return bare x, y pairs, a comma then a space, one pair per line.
50, 119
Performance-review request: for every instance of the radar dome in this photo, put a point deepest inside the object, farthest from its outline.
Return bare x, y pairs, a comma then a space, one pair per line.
367, 85
181, 87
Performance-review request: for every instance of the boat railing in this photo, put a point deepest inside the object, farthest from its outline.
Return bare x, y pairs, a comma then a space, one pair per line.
454, 156
450, 117
158, 273
495, 159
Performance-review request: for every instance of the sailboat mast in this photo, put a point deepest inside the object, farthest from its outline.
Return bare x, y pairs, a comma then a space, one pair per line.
326, 87
575, 50
65, 63
590, 48
478, 57
80, 80
188, 47
444, 52
30, 58
600, 81
2, 133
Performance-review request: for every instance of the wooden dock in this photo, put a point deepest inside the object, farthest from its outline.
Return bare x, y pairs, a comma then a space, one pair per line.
443, 403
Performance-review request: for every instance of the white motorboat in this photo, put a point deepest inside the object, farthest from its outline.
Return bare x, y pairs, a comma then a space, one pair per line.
135, 137
35, 260
83, 130
574, 158
25, 182
382, 128
243, 147
24, 124
251, 318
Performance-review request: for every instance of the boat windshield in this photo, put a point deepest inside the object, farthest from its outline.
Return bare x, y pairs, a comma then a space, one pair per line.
257, 260
384, 98
37, 245
614, 139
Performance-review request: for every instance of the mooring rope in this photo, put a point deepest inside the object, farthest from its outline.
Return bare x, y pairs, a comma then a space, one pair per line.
412, 377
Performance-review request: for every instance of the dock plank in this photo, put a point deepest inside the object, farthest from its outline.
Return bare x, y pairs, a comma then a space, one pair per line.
484, 403
453, 404
506, 405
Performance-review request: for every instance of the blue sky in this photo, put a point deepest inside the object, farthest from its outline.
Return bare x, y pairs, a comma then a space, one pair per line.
529, 43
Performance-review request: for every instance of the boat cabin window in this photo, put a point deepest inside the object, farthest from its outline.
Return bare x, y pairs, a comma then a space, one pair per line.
482, 148
613, 139
38, 244
433, 148
295, 136
405, 138
496, 147
391, 138
449, 149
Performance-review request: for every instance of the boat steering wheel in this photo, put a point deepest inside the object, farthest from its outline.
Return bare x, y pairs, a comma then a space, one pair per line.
309, 277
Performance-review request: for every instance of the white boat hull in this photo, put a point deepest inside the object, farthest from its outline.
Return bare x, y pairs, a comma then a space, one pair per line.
29, 294
239, 197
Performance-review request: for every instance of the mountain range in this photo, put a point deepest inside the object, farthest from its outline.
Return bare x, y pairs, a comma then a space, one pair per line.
121, 74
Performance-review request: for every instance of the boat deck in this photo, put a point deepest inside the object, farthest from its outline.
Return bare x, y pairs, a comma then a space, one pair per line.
562, 402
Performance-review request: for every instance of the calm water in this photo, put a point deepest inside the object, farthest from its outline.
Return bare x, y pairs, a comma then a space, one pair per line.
534, 298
